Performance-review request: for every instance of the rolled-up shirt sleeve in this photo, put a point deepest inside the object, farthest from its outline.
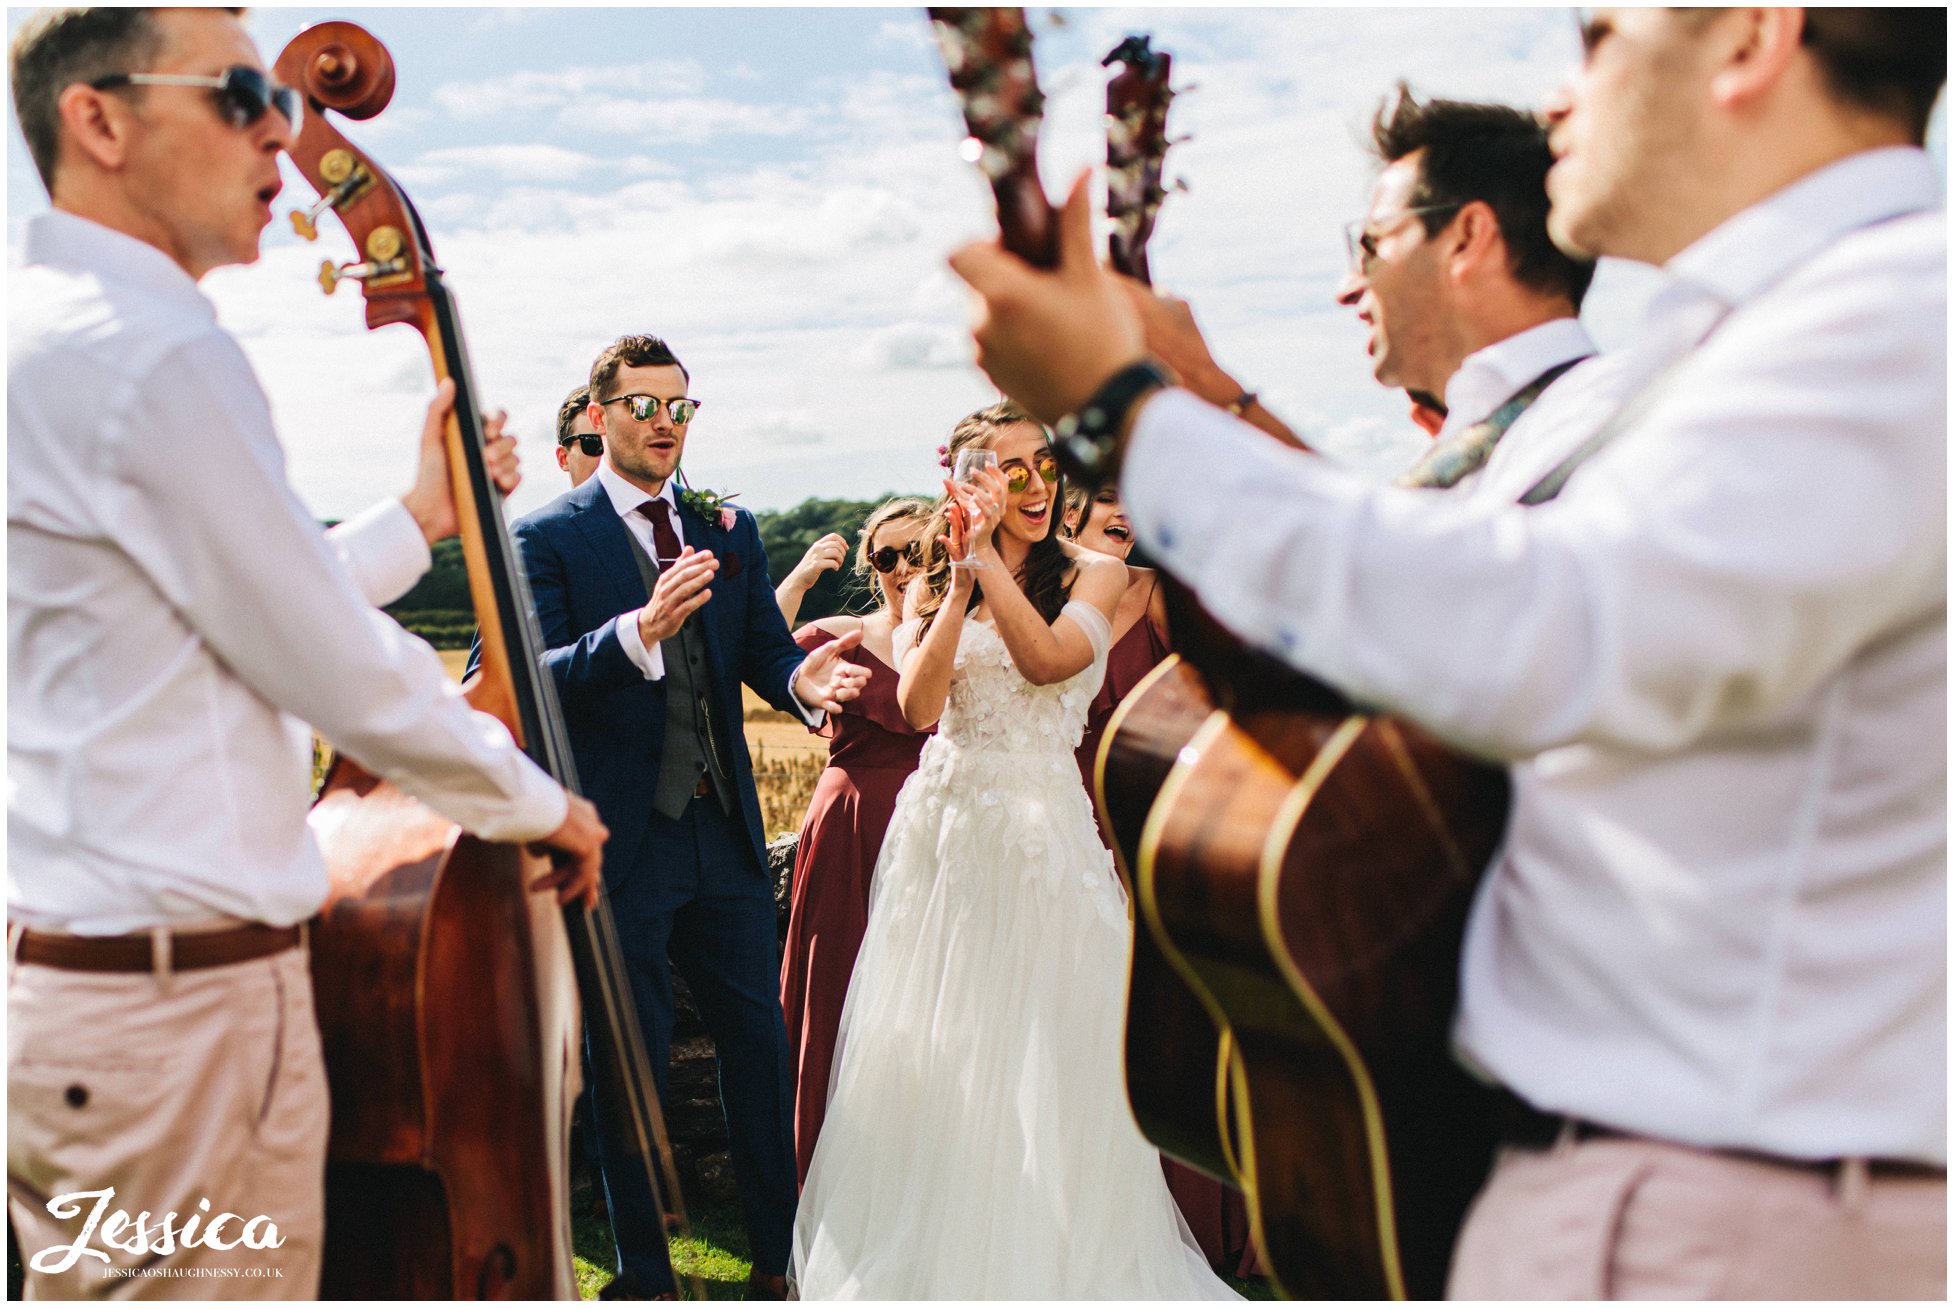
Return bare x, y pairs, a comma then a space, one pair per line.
247, 566
384, 551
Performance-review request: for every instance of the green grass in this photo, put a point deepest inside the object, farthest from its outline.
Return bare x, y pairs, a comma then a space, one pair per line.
717, 1254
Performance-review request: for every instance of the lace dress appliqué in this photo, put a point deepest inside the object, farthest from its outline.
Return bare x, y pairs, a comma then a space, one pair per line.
978, 1143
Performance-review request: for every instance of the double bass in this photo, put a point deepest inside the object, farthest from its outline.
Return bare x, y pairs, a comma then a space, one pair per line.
447, 992
1305, 866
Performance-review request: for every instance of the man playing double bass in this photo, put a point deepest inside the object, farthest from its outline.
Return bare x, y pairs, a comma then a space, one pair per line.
1710, 965
175, 620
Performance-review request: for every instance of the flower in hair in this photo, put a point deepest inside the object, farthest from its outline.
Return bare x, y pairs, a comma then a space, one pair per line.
943, 455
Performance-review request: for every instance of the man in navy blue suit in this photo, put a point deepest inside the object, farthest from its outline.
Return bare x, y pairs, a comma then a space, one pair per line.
654, 614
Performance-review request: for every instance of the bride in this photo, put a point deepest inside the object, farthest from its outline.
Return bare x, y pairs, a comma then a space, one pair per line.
978, 1144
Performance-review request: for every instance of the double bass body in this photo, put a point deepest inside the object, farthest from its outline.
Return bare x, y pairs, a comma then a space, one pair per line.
448, 1011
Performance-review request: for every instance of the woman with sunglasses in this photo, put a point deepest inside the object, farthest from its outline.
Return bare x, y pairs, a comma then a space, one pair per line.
977, 1143
871, 752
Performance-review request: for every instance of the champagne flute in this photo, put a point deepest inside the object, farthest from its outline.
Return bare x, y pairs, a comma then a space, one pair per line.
969, 463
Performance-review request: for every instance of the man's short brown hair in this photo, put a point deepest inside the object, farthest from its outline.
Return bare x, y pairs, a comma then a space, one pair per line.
566, 416
1491, 153
630, 352
57, 48
1892, 62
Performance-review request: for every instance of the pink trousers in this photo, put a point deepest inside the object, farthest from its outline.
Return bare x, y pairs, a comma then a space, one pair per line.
1619, 1218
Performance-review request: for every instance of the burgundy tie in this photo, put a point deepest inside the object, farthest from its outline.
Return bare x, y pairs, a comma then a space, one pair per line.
663, 534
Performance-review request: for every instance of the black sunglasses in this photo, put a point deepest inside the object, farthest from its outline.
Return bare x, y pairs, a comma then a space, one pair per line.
645, 407
243, 93
589, 442
884, 559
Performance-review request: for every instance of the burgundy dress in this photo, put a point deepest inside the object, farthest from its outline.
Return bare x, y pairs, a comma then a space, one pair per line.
1216, 1214
871, 754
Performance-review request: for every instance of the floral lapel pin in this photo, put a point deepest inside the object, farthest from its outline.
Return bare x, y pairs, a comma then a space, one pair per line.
714, 509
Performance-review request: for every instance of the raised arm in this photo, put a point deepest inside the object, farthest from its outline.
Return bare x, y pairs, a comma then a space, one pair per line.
924, 669
1044, 652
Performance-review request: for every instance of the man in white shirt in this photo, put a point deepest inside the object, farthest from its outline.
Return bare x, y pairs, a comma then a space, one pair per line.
1452, 273
1710, 964
175, 619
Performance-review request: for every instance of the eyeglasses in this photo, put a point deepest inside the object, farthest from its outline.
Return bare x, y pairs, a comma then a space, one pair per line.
1018, 476
645, 407
243, 93
884, 559
588, 441
1360, 242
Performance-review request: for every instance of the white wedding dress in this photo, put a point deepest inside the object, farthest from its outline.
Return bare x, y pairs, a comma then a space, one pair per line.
978, 1143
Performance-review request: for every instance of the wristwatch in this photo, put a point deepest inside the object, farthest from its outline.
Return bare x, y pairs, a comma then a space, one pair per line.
1087, 441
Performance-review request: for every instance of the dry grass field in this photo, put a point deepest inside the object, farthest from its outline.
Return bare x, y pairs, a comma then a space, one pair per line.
787, 758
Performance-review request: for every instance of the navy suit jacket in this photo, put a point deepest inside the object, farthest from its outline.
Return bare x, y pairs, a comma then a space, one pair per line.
582, 574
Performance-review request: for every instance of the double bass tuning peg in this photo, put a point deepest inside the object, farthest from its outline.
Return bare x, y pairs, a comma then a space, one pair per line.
347, 177
383, 250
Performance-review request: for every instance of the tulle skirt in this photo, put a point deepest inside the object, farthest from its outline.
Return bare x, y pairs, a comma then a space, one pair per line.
978, 1143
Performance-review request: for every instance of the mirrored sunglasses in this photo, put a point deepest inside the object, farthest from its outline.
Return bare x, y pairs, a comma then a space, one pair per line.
1018, 476
645, 407
244, 93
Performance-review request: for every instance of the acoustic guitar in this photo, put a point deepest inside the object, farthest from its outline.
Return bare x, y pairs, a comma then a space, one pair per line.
1306, 867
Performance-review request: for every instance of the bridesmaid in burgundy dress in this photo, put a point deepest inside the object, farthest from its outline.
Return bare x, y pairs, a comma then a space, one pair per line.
871, 753
1216, 1214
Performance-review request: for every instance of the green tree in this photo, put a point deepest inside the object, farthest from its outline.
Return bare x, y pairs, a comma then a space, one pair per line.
786, 534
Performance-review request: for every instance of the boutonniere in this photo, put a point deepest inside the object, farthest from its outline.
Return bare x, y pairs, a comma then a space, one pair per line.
710, 505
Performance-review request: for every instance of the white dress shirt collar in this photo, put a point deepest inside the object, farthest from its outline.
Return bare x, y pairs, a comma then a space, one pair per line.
64, 240
1741, 258
626, 497
1490, 377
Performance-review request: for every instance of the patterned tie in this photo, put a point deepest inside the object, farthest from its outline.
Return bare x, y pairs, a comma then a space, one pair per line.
663, 535
1452, 459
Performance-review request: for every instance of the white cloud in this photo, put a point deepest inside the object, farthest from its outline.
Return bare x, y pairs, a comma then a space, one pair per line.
496, 164
518, 95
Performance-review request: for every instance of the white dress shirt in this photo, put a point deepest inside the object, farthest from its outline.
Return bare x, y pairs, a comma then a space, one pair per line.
1720, 916
627, 499
1490, 377
175, 618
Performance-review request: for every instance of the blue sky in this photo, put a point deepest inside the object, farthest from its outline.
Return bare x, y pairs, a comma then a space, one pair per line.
774, 190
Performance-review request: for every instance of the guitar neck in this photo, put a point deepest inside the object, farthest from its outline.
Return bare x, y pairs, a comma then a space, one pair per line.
988, 55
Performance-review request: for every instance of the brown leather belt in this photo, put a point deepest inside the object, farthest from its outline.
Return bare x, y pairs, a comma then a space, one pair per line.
189, 951
1525, 1127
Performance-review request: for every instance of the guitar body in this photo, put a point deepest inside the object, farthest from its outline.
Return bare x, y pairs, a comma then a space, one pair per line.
1309, 868
448, 1016
1176, 1049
